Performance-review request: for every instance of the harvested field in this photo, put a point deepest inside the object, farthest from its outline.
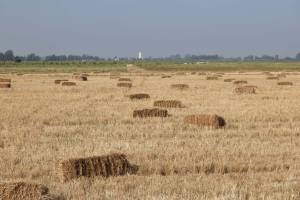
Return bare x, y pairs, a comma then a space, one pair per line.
5, 85
150, 113
139, 96
180, 86
246, 89
255, 156
104, 166
168, 104
126, 85
213, 121
68, 83
285, 83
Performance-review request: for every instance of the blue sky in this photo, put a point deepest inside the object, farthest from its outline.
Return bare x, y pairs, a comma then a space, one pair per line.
157, 28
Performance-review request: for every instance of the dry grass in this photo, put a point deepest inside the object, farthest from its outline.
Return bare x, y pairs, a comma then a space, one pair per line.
168, 104
24, 191
150, 113
213, 121
105, 166
256, 156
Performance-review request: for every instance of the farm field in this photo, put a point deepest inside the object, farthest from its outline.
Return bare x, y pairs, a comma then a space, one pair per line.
255, 156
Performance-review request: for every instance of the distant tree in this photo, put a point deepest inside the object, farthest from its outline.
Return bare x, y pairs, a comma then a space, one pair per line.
298, 56
33, 57
9, 55
2, 57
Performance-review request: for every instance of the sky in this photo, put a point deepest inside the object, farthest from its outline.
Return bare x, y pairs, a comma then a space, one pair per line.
108, 28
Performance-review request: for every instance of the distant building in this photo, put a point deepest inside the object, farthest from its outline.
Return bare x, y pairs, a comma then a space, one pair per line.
140, 56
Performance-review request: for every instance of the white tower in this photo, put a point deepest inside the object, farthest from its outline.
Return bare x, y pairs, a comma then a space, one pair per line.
140, 57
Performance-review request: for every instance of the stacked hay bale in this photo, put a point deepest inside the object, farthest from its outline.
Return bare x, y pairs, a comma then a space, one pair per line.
81, 77
248, 89
102, 166
5, 83
273, 78
240, 82
60, 81
139, 96
212, 78
68, 83
180, 86
168, 104
124, 82
229, 80
124, 79
285, 83
213, 121
144, 113
166, 76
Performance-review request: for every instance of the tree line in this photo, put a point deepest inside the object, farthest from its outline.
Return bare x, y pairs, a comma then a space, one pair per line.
9, 56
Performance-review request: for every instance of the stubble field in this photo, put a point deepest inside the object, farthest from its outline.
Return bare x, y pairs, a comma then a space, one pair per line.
256, 156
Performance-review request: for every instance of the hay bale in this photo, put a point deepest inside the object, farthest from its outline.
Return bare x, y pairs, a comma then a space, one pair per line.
125, 79
168, 104
23, 191
81, 78
180, 86
202, 74
272, 78
212, 78
285, 83
229, 80
5, 85
68, 83
126, 85
213, 121
5, 80
193, 73
139, 96
248, 89
166, 76
240, 82
59, 81
100, 166
150, 113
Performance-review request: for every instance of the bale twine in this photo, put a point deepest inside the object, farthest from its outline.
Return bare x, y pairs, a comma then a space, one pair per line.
100, 166
213, 121
229, 80
240, 82
5, 80
5, 85
23, 191
285, 83
150, 113
180, 86
126, 85
59, 81
212, 78
125, 79
249, 89
168, 104
139, 96
68, 83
